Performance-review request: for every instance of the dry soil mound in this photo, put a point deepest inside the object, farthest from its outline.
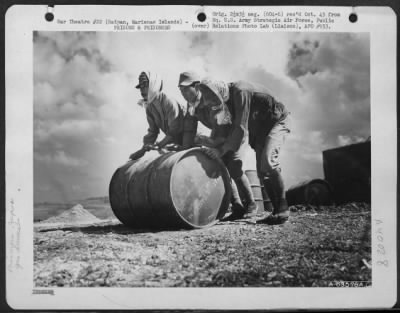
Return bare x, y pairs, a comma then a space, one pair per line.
75, 215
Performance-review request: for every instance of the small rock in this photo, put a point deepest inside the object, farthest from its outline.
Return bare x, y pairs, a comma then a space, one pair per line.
159, 272
271, 275
99, 281
269, 284
151, 284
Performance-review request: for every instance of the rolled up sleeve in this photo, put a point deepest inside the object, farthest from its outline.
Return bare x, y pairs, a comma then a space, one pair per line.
174, 118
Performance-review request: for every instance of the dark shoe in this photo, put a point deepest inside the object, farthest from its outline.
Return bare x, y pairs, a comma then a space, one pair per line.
233, 217
283, 206
237, 213
275, 219
251, 210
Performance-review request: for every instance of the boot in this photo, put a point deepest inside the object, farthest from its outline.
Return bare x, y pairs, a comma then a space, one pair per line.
236, 205
269, 190
280, 212
266, 199
251, 206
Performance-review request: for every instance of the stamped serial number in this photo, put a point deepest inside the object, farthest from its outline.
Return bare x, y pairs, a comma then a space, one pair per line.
350, 284
43, 292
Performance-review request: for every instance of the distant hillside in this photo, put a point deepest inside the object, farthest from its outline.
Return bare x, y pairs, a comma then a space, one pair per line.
99, 199
98, 206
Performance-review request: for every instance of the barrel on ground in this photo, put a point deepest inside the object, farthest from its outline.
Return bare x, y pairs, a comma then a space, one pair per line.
315, 192
171, 190
260, 195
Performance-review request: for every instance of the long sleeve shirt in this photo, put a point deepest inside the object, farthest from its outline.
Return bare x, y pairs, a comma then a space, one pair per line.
254, 111
166, 114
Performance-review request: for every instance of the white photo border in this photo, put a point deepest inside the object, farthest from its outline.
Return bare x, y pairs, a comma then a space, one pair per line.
22, 20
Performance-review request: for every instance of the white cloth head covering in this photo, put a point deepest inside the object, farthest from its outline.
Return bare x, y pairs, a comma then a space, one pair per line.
221, 90
155, 87
219, 87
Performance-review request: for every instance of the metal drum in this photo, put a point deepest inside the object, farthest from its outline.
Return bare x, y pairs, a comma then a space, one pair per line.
348, 170
315, 192
257, 189
170, 190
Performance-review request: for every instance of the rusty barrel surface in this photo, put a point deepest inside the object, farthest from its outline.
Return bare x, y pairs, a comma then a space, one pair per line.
259, 193
170, 190
314, 192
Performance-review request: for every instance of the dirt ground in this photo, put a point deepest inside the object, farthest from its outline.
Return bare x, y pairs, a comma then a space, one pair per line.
317, 247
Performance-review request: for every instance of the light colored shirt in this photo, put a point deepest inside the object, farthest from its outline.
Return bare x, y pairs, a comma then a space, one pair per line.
166, 114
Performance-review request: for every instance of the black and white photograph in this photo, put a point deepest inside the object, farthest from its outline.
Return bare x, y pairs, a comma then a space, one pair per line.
281, 161
164, 160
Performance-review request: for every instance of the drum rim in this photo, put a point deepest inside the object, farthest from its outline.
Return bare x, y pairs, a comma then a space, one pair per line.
224, 174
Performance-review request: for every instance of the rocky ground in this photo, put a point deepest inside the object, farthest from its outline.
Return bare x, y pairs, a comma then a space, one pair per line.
317, 247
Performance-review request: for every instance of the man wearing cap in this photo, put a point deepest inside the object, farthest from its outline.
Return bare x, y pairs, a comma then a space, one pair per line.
254, 111
162, 112
220, 130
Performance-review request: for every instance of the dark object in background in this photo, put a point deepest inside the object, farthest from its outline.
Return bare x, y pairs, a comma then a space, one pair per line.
348, 170
260, 196
183, 189
314, 192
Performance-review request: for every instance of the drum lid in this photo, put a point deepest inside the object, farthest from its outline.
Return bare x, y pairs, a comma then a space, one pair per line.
197, 188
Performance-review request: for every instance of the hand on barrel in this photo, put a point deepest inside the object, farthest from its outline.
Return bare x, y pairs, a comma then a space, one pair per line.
201, 140
150, 146
138, 154
212, 153
172, 147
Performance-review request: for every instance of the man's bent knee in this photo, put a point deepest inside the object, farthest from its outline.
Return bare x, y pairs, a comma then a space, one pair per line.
235, 169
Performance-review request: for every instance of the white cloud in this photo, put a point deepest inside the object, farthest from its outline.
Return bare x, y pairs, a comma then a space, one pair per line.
85, 102
307, 145
344, 140
60, 158
79, 129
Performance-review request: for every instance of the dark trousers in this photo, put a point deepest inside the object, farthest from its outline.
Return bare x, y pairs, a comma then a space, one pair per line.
234, 163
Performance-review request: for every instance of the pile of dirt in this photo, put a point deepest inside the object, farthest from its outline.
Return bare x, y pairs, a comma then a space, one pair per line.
75, 215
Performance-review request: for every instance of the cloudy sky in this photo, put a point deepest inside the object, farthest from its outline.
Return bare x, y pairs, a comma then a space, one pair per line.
87, 121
